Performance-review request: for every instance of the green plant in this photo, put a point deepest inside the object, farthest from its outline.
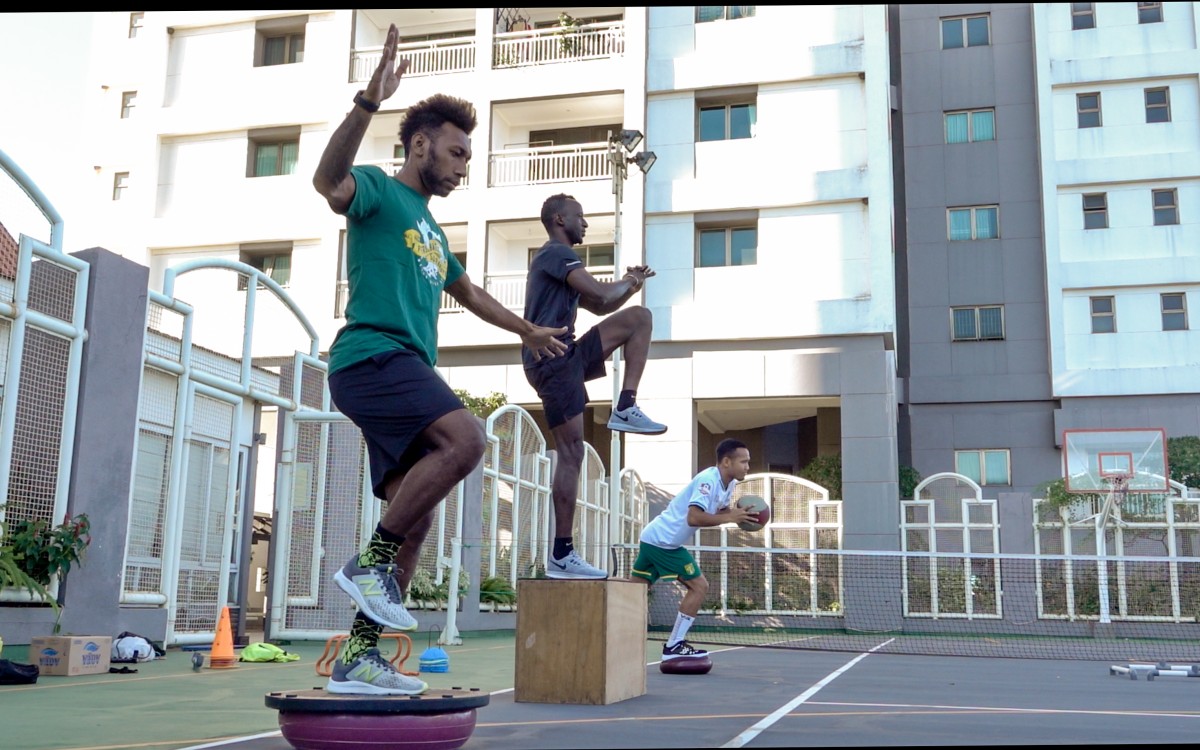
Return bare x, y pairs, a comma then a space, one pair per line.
496, 590
568, 34
1055, 493
1183, 459
12, 575
42, 551
481, 406
826, 471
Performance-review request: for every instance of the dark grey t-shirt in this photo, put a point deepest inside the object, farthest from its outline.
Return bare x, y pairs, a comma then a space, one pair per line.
549, 300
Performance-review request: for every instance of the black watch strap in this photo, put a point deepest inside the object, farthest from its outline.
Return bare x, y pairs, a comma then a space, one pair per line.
370, 106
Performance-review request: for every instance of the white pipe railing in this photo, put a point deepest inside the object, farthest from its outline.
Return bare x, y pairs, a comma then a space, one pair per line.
509, 288
537, 166
555, 44
456, 55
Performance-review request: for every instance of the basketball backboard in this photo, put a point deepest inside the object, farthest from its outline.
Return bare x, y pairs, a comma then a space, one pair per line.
1094, 459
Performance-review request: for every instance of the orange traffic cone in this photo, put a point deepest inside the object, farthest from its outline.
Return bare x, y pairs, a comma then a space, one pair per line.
221, 656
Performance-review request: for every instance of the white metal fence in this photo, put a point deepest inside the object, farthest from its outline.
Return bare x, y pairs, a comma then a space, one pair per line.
43, 298
544, 164
322, 523
454, 55
948, 513
515, 49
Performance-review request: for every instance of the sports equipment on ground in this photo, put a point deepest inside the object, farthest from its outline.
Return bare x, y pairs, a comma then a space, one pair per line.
317, 720
686, 665
755, 503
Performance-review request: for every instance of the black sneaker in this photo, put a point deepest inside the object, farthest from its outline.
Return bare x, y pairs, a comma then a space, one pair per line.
682, 650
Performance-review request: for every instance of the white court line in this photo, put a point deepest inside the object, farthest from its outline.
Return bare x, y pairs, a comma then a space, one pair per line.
232, 740
1001, 709
765, 723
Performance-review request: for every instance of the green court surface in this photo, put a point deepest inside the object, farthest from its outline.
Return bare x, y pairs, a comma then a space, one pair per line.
168, 705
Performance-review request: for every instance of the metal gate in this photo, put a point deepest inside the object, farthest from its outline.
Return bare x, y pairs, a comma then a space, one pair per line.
197, 409
43, 297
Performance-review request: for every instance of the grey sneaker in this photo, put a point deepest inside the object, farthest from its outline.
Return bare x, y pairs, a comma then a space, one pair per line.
635, 420
575, 567
682, 650
371, 674
376, 593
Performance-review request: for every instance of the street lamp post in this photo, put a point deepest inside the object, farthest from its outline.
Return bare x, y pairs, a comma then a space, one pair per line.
619, 145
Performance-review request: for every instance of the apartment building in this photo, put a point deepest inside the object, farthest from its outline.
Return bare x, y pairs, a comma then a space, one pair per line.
1049, 152
774, 302
1120, 162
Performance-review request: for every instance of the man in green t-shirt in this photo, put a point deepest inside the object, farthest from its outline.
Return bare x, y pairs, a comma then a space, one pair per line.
421, 441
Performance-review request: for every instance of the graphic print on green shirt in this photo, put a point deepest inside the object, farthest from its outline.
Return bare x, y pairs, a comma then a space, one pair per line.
397, 264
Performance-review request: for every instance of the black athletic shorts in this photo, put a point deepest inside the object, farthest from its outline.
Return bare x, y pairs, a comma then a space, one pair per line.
392, 397
559, 381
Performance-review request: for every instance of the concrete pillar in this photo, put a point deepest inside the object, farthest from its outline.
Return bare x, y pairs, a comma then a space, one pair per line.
105, 435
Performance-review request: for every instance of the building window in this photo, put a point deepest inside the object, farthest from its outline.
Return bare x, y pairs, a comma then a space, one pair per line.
1166, 207
120, 185
272, 258
1149, 12
1088, 108
1174, 312
974, 223
1083, 16
984, 323
1104, 314
1095, 211
128, 100
135, 23
706, 13
971, 125
273, 151
723, 122
965, 31
727, 246
279, 41
1158, 105
984, 467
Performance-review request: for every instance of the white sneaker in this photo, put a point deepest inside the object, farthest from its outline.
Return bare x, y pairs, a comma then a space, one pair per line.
634, 420
371, 674
376, 593
575, 567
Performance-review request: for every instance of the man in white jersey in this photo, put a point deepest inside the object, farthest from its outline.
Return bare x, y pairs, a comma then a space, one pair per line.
703, 503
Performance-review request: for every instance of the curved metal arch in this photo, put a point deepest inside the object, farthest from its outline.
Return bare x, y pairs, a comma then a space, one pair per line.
522, 416
948, 475
39, 199
261, 278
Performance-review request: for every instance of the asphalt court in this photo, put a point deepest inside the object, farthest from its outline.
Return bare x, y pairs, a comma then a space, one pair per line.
769, 697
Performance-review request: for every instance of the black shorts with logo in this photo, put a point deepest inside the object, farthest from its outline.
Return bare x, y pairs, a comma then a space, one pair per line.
392, 397
559, 381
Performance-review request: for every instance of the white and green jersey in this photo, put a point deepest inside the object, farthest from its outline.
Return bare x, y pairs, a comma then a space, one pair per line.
670, 528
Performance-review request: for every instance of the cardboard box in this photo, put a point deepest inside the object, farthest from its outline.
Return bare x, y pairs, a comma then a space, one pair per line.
71, 655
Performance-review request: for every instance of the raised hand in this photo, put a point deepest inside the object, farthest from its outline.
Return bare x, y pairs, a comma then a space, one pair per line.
386, 78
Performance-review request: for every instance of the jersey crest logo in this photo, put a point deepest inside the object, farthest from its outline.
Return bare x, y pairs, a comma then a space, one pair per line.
689, 568
426, 244
705, 488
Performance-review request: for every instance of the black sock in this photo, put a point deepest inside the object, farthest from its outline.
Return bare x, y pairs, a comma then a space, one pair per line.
563, 545
382, 548
364, 634
626, 400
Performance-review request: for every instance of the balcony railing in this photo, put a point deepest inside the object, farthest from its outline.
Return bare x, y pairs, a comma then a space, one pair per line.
392, 167
536, 166
342, 296
456, 55
516, 49
509, 288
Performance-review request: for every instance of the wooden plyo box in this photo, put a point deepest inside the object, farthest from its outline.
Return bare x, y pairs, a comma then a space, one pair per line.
581, 642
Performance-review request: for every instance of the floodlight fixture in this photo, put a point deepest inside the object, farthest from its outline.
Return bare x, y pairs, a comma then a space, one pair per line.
644, 160
630, 139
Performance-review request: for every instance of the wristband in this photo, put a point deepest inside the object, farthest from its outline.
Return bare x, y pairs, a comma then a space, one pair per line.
370, 106
636, 284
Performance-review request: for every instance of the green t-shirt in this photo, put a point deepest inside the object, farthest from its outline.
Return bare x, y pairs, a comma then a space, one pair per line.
398, 262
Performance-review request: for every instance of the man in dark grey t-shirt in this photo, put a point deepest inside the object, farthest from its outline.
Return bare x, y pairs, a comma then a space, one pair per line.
557, 285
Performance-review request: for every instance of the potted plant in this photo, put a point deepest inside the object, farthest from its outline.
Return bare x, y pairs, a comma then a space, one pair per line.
40, 552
